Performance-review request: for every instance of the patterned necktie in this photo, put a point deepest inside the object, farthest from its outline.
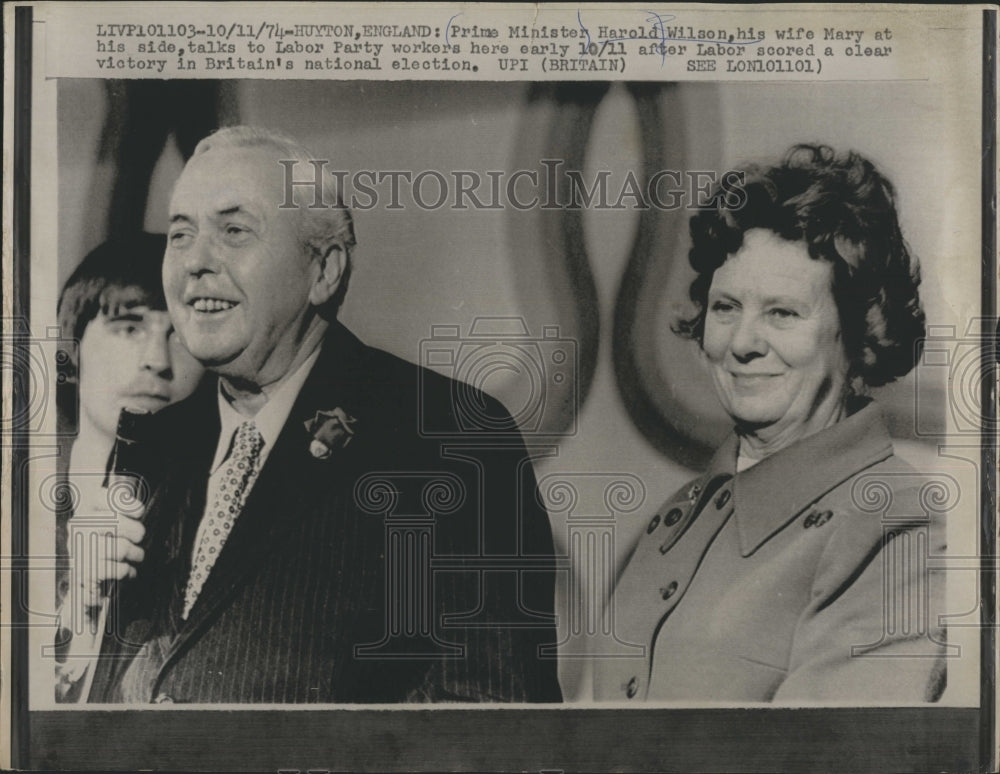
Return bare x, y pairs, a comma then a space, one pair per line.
230, 493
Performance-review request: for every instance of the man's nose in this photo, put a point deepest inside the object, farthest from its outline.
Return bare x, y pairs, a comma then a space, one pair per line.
747, 341
200, 258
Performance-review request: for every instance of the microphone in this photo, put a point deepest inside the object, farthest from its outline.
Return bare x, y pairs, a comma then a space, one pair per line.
125, 478
129, 467
130, 454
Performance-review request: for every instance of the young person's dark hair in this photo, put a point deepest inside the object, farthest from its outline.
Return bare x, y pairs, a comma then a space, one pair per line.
120, 273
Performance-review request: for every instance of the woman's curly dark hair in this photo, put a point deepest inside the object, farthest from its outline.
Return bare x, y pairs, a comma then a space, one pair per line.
844, 211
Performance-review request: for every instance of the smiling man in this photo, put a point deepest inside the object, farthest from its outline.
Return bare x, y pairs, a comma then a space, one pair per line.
268, 570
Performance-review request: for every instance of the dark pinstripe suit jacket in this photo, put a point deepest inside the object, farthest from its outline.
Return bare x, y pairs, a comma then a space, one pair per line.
312, 599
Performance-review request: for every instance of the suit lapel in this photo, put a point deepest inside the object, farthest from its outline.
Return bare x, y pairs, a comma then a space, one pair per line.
291, 484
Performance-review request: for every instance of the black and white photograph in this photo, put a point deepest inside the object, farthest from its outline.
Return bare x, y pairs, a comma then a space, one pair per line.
500, 388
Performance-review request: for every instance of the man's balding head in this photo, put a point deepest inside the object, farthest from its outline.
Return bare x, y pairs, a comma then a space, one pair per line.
331, 222
248, 282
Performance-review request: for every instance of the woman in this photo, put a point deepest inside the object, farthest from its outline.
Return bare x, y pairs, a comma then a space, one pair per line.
791, 570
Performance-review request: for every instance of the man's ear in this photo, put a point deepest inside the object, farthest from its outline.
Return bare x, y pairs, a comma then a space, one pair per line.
332, 262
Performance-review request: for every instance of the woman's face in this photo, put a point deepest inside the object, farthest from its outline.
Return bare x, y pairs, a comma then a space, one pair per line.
773, 339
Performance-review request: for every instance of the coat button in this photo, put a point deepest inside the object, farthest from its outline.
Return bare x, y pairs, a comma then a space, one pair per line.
722, 499
162, 698
668, 591
673, 516
633, 688
653, 524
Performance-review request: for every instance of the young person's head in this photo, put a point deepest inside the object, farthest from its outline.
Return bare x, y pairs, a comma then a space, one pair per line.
126, 353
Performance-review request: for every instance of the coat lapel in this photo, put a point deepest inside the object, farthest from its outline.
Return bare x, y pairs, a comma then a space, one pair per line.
777, 489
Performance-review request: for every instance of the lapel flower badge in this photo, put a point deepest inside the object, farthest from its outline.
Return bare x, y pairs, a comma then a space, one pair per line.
330, 430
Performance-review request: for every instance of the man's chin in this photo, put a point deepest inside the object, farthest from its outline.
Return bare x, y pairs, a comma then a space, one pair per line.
215, 359
237, 371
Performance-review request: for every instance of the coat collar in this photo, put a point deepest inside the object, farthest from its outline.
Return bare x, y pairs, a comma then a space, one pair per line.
777, 489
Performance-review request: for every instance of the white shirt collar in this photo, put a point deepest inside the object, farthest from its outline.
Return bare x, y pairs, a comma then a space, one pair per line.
271, 417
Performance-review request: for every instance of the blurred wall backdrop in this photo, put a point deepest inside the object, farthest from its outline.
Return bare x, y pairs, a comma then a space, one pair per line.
605, 279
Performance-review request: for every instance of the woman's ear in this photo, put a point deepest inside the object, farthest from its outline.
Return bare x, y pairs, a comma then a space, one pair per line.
332, 262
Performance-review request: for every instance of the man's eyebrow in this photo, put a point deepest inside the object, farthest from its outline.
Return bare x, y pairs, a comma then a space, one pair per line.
236, 209
785, 299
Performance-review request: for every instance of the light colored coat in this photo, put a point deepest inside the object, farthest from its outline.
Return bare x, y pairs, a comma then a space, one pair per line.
803, 578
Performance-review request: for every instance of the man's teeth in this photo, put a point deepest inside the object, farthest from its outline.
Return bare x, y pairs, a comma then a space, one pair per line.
212, 305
